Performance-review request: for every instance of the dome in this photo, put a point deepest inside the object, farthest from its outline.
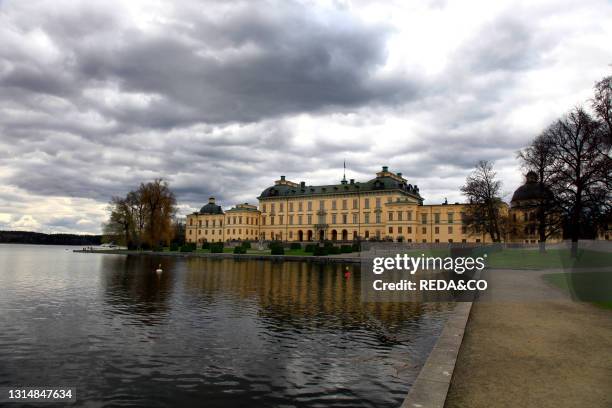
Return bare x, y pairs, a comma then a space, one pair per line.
211, 207
531, 190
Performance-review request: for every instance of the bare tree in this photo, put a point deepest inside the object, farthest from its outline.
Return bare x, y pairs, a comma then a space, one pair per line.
602, 106
160, 205
581, 175
540, 158
120, 221
483, 192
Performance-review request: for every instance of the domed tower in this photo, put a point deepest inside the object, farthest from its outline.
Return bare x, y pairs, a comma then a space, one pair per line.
524, 209
530, 194
211, 207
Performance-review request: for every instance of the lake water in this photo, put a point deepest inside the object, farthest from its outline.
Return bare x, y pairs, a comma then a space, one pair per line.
214, 333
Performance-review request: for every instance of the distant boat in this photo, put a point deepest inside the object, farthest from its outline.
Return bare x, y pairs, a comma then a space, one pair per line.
109, 245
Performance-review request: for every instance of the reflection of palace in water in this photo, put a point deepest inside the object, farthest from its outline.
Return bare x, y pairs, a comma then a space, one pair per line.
297, 290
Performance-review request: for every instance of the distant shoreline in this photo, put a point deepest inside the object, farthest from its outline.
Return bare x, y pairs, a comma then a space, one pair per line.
39, 238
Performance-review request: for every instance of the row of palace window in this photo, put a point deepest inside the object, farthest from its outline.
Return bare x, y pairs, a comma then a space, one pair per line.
424, 230
201, 224
232, 231
237, 219
450, 218
321, 219
377, 234
334, 205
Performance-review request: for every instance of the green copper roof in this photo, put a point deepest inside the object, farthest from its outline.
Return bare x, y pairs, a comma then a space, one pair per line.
376, 184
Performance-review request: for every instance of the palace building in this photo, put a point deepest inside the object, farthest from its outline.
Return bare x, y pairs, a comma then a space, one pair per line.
385, 207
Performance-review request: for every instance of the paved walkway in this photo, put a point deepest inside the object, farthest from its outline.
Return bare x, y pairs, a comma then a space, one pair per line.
517, 353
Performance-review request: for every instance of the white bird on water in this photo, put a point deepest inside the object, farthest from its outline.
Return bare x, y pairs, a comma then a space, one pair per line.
159, 269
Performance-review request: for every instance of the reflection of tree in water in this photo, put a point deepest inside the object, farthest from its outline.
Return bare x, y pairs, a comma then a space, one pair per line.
133, 287
300, 295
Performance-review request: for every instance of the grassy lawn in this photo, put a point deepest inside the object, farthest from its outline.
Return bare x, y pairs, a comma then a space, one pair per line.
587, 286
552, 258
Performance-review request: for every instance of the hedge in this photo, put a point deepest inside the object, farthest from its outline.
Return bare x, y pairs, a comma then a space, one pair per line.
216, 247
296, 245
240, 250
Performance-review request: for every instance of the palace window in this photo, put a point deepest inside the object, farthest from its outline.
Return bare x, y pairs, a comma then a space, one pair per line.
423, 218
437, 241
300, 206
239, 220
450, 217
390, 230
309, 219
280, 219
344, 204
355, 204
272, 220
290, 207
378, 218
200, 223
264, 208
281, 207
321, 205
399, 215
424, 230
450, 240
377, 202
450, 230
390, 215
191, 221
333, 218
310, 206
355, 218
300, 219
239, 230
333, 204
367, 234
437, 230
410, 230
367, 218
206, 223
437, 218
463, 218
272, 207
220, 223
344, 218
190, 232
409, 215
464, 230
290, 234
366, 203
291, 220
399, 230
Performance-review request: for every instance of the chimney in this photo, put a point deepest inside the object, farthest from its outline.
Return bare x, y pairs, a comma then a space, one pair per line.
352, 181
283, 178
385, 168
211, 200
399, 174
302, 184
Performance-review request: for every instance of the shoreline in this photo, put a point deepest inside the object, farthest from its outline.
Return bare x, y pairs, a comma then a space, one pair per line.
257, 257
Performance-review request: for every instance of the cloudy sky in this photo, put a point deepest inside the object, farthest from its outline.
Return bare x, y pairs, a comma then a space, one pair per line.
221, 97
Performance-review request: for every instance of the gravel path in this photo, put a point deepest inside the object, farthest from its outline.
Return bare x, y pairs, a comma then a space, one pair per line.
549, 353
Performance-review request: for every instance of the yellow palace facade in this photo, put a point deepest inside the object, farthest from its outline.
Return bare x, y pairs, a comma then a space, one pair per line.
385, 207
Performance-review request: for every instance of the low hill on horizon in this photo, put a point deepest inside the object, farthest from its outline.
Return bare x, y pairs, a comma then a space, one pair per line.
39, 238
